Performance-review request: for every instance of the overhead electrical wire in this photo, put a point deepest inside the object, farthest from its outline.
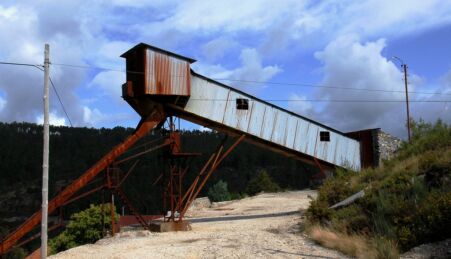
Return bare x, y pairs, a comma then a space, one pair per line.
61, 102
329, 100
274, 83
260, 82
51, 82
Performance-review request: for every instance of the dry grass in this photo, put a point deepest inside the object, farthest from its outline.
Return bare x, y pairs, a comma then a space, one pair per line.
355, 245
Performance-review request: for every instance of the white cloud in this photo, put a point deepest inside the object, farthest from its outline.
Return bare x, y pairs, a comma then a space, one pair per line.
217, 48
110, 83
2, 103
349, 63
204, 129
251, 69
299, 104
92, 116
96, 33
53, 120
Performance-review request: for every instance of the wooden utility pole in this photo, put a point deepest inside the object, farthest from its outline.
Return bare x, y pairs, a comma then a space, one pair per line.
404, 67
407, 100
45, 161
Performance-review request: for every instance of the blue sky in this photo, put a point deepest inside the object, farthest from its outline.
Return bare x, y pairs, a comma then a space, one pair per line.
330, 43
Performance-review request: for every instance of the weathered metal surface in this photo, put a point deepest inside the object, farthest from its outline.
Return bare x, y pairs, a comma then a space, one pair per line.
369, 146
217, 103
166, 75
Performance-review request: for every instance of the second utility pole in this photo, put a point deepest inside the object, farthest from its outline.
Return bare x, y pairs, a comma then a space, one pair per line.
407, 100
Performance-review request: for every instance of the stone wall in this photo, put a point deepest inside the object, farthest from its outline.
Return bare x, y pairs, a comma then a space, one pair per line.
387, 145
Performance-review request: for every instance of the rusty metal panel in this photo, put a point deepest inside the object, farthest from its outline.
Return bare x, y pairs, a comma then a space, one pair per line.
166, 75
217, 103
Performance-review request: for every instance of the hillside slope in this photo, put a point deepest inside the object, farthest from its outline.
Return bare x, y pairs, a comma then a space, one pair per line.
407, 201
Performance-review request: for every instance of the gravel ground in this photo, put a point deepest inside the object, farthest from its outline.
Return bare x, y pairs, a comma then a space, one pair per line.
263, 226
438, 250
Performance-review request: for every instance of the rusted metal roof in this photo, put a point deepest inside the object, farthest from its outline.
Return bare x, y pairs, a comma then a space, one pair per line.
163, 51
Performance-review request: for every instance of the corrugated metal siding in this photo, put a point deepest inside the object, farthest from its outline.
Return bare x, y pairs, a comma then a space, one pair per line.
218, 103
166, 75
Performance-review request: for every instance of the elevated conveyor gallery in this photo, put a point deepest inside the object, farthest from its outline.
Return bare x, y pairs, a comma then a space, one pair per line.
158, 76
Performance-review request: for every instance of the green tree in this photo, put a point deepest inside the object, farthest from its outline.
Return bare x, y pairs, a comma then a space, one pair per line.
262, 182
219, 192
84, 227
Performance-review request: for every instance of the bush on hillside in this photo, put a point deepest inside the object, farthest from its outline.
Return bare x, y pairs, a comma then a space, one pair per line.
407, 201
219, 192
262, 182
84, 227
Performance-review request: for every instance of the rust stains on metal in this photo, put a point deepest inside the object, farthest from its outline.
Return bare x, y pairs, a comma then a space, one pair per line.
166, 75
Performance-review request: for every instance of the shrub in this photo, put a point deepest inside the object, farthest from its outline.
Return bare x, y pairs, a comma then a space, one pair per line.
16, 253
262, 182
219, 192
83, 227
407, 202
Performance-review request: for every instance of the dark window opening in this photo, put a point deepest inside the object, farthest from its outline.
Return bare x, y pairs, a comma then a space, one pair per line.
242, 104
324, 136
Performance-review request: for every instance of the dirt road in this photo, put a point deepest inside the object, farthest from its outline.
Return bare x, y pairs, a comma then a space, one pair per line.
263, 226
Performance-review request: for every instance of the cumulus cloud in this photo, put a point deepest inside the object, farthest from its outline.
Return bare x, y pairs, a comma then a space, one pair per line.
53, 120
2, 103
300, 104
23, 86
109, 83
217, 48
251, 69
95, 33
349, 63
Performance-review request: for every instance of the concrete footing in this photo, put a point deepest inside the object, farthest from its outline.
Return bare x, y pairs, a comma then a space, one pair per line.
170, 226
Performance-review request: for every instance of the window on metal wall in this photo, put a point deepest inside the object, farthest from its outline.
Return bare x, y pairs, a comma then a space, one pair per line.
324, 136
242, 104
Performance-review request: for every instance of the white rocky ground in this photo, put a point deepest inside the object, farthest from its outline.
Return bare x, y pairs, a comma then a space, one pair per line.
263, 226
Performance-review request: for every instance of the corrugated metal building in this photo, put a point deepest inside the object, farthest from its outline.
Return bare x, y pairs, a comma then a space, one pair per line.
157, 76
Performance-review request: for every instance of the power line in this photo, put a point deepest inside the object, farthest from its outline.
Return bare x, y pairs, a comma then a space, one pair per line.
260, 82
59, 99
53, 85
244, 81
19, 64
330, 100
97, 68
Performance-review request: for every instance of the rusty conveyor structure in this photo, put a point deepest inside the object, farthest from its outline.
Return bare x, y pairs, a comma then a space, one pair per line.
161, 84
159, 76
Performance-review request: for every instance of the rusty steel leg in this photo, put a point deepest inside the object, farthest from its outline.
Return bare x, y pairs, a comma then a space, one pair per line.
102, 209
113, 212
218, 159
321, 173
145, 125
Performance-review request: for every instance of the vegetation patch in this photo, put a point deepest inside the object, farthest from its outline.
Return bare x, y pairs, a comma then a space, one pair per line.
407, 201
84, 227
